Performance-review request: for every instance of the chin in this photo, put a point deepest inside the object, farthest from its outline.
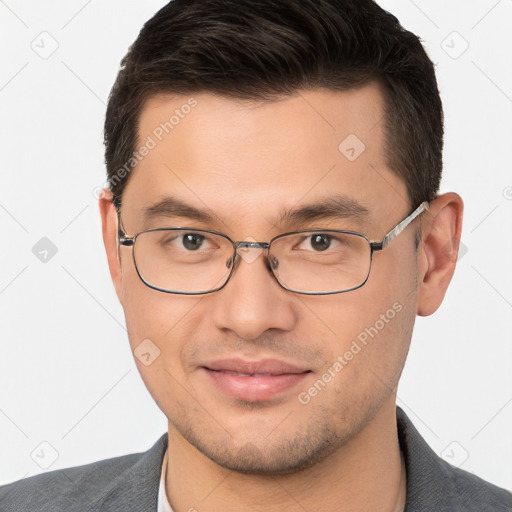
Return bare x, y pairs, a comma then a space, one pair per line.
286, 454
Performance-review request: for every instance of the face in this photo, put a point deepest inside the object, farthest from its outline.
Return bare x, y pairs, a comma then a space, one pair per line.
257, 378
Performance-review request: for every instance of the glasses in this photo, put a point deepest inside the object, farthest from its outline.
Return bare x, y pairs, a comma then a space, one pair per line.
189, 261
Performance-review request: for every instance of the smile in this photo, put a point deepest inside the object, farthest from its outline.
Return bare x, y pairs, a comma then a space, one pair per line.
254, 381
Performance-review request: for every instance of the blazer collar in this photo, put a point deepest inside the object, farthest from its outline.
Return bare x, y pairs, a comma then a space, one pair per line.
139, 481
429, 484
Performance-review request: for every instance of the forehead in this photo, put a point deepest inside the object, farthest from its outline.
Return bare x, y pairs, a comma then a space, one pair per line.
240, 159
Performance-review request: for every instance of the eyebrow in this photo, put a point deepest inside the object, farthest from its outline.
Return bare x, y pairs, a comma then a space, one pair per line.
335, 207
173, 207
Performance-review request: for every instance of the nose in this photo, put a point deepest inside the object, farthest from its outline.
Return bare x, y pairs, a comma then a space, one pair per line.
252, 301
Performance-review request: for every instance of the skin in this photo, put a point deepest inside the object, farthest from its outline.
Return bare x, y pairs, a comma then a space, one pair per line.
244, 162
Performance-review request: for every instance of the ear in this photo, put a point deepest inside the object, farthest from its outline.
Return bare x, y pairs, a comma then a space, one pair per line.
109, 222
437, 255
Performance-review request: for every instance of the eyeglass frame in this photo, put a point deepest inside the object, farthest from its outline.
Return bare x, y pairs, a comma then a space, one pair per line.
375, 246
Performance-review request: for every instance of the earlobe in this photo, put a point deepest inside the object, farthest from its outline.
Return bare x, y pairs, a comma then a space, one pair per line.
438, 251
109, 222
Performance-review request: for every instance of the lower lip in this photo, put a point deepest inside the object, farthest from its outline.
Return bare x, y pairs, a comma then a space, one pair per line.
255, 389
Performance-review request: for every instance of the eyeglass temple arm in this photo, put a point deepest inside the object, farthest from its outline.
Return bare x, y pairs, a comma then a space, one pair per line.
400, 227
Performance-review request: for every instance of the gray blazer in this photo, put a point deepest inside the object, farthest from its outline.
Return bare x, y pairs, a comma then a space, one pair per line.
130, 483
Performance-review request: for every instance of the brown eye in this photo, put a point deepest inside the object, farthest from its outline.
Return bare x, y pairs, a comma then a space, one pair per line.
320, 242
192, 241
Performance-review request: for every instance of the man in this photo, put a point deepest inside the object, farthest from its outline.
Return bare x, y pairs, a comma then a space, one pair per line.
272, 228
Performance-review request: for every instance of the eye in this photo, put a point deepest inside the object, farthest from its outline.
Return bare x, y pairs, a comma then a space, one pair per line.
188, 242
316, 242
192, 241
324, 243
320, 241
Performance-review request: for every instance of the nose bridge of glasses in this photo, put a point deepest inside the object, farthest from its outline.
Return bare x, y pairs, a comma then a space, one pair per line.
248, 244
243, 247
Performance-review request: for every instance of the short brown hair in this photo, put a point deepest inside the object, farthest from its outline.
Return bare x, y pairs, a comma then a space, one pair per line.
263, 49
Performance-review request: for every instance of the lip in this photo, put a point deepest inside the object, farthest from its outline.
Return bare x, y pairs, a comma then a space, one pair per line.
254, 381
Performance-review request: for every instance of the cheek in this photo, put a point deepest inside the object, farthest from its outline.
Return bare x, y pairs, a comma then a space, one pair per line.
158, 323
160, 330
371, 328
149, 313
399, 305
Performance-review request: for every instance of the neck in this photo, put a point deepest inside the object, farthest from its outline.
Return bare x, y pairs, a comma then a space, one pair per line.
365, 474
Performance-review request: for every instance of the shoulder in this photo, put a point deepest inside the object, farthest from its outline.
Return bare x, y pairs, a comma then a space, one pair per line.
473, 492
57, 488
433, 484
97, 486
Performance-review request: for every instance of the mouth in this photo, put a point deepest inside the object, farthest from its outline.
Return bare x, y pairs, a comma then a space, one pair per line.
254, 381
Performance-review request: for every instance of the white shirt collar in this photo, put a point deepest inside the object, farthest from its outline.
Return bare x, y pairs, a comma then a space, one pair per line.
163, 502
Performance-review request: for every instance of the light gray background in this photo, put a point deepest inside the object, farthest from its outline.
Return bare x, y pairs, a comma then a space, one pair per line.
68, 379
